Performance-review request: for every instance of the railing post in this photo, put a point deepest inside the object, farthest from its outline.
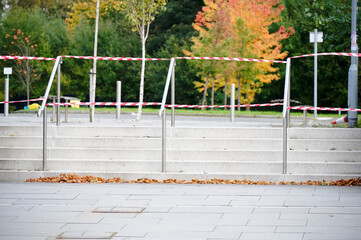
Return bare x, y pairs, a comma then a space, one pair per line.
285, 114
173, 95
53, 110
119, 95
45, 139
164, 140
233, 86
6, 97
91, 92
58, 92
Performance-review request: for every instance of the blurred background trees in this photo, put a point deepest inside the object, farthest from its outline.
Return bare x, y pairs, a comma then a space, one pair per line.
66, 27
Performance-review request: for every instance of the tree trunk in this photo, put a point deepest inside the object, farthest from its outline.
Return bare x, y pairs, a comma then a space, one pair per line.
225, 94
239, 92
27, 76
27, 87
212, 101
205, 90
141, 88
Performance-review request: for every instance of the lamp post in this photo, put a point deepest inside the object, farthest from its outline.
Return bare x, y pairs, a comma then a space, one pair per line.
353, 70
94, 72
315, 37
7, 72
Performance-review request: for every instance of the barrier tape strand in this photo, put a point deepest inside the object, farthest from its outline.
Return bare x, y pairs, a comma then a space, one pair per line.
326, 109
19, 101
26, 58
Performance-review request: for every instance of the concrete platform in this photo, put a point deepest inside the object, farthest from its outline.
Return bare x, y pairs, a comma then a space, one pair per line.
46, 211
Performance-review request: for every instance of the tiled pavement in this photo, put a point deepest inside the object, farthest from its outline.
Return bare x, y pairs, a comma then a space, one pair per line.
35, 211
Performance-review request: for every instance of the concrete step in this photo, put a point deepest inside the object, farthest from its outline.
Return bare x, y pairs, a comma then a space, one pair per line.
244, 167
324, 133
325, 144
89, 131
17, 131
183, 143
324, 168
22, 141
17, 176
21, 164
229, 133
324, 156
206, 155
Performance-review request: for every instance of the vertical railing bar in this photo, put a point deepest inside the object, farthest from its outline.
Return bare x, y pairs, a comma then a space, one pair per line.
164, 140
232, 101
285, 114
119, 95
45, 139
58, 93
173, 96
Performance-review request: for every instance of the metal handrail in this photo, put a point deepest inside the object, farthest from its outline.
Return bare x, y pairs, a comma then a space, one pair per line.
166, 87
57, 62
287, 87
285, 114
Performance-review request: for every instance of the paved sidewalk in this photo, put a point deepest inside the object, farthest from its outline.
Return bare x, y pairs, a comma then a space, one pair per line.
36, 211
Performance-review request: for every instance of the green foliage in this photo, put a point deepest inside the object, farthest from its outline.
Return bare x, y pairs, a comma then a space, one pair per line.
334, 19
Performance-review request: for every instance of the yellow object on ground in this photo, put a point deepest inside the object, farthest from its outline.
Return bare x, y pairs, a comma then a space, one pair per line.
75, 101
34, 106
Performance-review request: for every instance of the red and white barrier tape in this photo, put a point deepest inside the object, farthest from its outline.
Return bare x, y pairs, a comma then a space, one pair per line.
224, 106
30, 100
26, 58
158, 104
162, 59
116, 58
231, 59
326, 109
187, 58
126, 104
330, 54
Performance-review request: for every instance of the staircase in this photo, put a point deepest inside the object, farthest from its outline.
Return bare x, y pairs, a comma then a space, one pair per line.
207, 152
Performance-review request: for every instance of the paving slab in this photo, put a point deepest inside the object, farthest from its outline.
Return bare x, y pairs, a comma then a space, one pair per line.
46, 211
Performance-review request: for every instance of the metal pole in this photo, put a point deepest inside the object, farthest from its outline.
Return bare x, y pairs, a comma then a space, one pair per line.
173, 96
285, 129
233, 86
53, 110
93, 79
66, 112
91, 113
6, 97
164, 141
285, 114
45, 139
315, 75
58, 93
353, 71
119, 95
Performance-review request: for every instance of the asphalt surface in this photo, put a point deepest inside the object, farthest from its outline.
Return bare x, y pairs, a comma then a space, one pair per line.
46, 211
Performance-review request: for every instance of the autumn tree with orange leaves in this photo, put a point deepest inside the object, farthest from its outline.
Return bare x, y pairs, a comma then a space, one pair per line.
240, 28
17, 43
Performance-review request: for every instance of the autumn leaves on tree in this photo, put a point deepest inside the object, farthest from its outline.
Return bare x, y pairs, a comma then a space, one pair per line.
238, 28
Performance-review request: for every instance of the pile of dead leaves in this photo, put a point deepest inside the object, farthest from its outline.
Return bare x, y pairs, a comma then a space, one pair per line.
72, 178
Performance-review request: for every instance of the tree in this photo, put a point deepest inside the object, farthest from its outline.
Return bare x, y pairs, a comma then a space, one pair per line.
19, 44
241, 29
141, 14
